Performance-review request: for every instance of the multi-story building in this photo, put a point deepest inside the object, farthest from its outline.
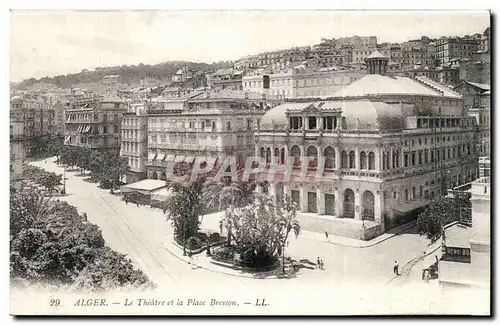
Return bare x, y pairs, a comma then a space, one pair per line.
59, 111
381, 149
38, 121
212, 125
134, 141
17, 153
357, 42
301, 81
225, 79
361, 53
477, 102
450, 48
94, 122
465, 262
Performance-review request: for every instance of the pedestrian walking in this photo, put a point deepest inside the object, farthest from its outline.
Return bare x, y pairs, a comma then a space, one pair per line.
84, 216
318, 263
137, 204
326, 235
287, 242
427, 276
322, 265
220, 226
396, 268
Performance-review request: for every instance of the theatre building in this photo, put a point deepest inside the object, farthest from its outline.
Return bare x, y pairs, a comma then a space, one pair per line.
381, 149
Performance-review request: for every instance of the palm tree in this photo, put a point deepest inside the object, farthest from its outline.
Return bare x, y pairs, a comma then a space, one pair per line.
228, 193
184, 207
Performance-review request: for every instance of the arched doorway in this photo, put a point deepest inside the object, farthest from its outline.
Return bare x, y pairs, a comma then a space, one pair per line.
368, 206
276, 155
352, 159
265, 187
280, 192
163, 176
262, 152
349, 204
312, 152
282, 155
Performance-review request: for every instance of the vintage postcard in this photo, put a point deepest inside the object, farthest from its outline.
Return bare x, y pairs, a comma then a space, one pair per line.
224, 162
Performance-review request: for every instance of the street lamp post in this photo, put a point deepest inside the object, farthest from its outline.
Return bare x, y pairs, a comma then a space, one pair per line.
64, 180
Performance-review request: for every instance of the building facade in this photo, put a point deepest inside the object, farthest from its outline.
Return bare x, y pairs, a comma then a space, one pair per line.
447, 49
39, 117
94, 122
381, 149
301, 81
477, 102
17, 153
134, 141
212, 125
466, 256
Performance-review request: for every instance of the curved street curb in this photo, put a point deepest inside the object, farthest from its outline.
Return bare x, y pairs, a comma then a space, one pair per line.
408, 226
416, 259
273, 277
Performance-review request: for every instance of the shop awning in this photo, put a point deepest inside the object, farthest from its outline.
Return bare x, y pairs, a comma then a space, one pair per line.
179, 158
200, 159
189, 159
152, 155
68, 138
404, 207
87, 130
169, 158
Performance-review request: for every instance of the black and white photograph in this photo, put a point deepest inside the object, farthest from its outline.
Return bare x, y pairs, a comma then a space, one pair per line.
250, 162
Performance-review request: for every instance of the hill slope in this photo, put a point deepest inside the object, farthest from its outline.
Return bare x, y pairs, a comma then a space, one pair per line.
129, 75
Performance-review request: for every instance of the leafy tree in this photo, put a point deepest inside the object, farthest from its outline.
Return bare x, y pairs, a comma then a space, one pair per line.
50, 243
263, 225
441, 212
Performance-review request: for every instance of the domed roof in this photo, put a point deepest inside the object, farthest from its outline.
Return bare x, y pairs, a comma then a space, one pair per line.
16, 100
276, 117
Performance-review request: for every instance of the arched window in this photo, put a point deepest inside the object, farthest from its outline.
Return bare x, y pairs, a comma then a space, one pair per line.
313, 152
329, 154
352, 159
262, 152
276, 155
363, 160
282, 156
371, 161
343, 159
268, 155
295, 153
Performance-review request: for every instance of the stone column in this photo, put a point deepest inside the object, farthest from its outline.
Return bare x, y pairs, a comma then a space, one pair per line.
287, 191
338, 202
337, 158
357, 160
378, 205
272, 191
303, 198
319, 123
379, 157
391, 160
357, 205
320, 198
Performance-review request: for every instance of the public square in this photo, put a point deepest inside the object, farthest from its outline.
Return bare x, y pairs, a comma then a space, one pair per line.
140, 231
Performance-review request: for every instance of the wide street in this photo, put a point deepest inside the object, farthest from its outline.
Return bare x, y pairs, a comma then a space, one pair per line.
355, 280
139, 232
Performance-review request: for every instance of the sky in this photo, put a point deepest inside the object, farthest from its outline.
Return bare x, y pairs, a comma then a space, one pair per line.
49, 43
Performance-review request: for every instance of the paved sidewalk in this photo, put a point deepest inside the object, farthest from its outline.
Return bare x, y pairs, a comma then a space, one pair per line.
211, 222
201, 260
